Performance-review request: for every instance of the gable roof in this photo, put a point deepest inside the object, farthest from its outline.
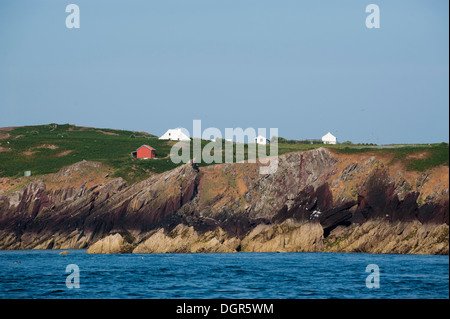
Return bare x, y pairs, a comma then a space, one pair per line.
329, 135
175, 134
149, 147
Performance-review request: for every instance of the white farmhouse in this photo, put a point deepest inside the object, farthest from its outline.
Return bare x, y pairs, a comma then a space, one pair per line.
261, 140
329, 139
175, 135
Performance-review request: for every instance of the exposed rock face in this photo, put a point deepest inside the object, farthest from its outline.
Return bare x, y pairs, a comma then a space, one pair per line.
315, 201
378, 237
75, 217
184, 239
112, 244
286, 237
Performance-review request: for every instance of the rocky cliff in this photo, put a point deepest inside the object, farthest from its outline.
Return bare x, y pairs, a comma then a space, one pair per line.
317, 200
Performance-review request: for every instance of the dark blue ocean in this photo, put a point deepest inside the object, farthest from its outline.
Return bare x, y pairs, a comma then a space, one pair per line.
42, 274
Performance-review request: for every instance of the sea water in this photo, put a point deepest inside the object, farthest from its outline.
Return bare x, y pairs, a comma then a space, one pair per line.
45, 274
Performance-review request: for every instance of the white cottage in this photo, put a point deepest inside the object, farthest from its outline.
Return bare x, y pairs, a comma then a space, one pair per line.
175, 135
261, 140
329, 139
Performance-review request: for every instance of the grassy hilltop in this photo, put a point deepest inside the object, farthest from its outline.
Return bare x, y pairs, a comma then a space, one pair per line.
45, 149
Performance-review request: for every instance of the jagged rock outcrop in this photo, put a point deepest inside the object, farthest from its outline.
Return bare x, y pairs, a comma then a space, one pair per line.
381, 237
317, 200
288, 236
112, 244
184, 239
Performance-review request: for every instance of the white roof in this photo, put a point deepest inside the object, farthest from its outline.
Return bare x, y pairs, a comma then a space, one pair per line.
328, 136
175, 134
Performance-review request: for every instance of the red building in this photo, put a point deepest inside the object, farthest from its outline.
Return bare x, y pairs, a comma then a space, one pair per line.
145, 151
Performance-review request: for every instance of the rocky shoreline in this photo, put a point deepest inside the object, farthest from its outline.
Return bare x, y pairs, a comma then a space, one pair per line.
289, 236
317, 201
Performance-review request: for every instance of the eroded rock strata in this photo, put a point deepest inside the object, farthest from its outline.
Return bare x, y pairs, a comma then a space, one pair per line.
317, 200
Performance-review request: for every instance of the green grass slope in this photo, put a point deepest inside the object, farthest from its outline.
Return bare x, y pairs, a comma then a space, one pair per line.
45, 149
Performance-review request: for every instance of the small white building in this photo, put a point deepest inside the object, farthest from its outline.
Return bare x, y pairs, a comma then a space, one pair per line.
261, 140
220, 139
329, 139
175, 135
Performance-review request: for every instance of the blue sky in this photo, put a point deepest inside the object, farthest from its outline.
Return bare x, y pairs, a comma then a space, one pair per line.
304, 67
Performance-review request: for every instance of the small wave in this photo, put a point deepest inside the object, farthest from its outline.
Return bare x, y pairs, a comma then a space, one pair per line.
53, 292
16, 290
